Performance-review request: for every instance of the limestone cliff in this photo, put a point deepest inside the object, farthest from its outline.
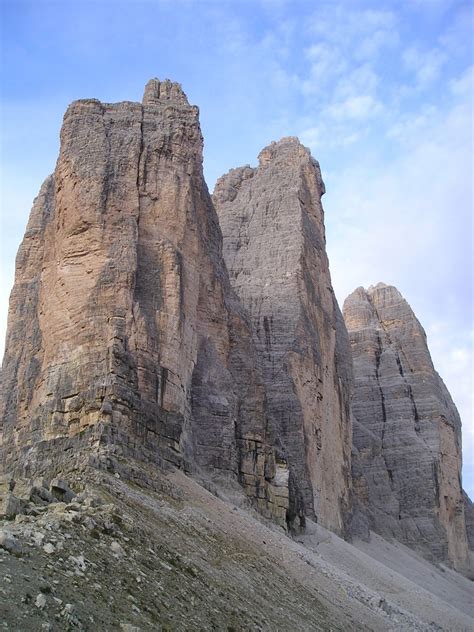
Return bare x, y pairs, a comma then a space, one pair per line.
407, 431
469, 514
124, 337
274, 247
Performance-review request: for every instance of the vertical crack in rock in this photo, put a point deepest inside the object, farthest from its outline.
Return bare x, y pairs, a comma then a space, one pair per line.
406, 431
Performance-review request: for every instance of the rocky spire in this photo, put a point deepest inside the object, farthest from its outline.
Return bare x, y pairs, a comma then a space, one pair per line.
157, 91
125, 339
407, 431
274, 247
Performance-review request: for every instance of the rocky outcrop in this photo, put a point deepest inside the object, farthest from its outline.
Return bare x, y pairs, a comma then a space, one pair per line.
274, 247
124, 336
407, 431
469, 515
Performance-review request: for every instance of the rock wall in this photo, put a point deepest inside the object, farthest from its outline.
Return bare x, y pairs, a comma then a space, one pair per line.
469, 514
274, 247
124, 336
407, 431
130, 338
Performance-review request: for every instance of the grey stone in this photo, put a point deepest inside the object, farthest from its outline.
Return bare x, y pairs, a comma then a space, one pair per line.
469, 515
10, 543
117, 548
61, 490
11, 506
406, 431
69, 614
274, 247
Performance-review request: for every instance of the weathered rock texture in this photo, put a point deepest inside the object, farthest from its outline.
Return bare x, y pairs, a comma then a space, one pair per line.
124, 336
407, 431
274, 247
469, 514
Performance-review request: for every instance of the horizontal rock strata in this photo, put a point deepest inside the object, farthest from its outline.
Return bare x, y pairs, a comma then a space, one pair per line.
124, 337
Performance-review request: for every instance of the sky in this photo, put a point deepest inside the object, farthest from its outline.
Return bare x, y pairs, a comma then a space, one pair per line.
381, 92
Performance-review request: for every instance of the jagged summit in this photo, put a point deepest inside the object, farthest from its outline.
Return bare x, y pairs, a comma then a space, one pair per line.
285, 156
380, 285
157, 91
288, 146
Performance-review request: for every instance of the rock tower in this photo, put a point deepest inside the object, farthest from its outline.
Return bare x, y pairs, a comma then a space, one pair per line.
274, 246
407, 431
124, 336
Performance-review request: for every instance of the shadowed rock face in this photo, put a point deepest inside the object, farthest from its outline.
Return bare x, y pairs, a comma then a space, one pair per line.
407, 431
469, 513
274, 247
124, 336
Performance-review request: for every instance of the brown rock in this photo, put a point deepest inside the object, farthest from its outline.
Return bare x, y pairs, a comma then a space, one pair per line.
124, 338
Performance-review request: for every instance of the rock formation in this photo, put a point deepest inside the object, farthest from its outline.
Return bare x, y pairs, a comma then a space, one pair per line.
140, 335
406, 432
124, 337
274, 247
469, 514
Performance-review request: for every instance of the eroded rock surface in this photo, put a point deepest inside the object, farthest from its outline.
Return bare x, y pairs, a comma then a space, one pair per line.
274, 247
407, 431
469, 514
124, 336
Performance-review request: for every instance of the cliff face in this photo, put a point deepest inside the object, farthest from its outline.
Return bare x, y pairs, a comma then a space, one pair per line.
469, 514
124, 336
274, 247
407, 431
130, 338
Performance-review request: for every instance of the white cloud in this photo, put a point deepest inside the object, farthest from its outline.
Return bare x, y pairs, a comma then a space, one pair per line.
358, 107
335, 136
425, 66
360, 79
371, 47
326, 62
463, 86
338, 23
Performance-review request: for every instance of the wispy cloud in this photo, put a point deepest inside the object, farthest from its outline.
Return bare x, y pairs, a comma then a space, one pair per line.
425, 66
357, 108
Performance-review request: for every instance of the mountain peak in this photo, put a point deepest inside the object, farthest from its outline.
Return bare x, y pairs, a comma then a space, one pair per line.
157, 91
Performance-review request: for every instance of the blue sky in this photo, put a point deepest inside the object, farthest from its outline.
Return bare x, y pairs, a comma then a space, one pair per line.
382, 93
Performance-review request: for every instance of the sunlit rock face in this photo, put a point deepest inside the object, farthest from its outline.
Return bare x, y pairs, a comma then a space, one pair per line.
407, 431
124, 336
274, 246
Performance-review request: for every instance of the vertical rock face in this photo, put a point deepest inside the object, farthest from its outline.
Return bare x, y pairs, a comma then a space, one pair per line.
407, 431
469, 514
124, 335
274, 247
